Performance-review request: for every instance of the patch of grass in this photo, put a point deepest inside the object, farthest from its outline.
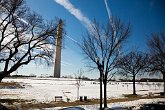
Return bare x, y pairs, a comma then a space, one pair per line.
11, 101
27, 106
132, 96
10, 85
4, 94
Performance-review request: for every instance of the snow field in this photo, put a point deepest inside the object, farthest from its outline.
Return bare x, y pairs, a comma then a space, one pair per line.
45, 89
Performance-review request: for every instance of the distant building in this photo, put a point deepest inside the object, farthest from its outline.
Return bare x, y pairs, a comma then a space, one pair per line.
57, 65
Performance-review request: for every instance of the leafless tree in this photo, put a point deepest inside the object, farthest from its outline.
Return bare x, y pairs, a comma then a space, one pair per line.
156, 45
131, 65
24, 36
78, 78
102, 48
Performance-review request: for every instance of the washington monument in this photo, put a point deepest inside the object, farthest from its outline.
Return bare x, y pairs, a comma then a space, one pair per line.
57, 66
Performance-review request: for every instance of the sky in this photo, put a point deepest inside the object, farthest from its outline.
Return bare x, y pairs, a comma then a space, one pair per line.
145, 17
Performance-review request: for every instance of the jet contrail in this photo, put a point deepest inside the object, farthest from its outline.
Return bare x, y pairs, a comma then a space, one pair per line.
112, 23
109, 12
77, 13
110, 16
73, 39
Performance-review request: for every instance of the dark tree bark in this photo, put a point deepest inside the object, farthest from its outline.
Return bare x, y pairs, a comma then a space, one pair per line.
101, 91
134, 88
2, 75
105, 91
164, 81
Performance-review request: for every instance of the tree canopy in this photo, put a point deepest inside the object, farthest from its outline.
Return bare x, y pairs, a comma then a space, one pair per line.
102, 47
156, 46
24, 36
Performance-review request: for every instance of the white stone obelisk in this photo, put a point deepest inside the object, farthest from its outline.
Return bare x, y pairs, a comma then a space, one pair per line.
57, 65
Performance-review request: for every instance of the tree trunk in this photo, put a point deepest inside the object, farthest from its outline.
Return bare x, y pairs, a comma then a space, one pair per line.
2, 75
101, 90
105, 95
164, 82
105, 92
134, 89
78, 93
6, 72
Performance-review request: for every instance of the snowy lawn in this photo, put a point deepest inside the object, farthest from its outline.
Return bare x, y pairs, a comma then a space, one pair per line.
45, 89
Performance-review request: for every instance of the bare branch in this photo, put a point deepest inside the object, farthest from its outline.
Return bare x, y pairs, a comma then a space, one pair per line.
24, 36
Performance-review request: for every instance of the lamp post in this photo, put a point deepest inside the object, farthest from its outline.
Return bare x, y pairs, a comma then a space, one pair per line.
100, 67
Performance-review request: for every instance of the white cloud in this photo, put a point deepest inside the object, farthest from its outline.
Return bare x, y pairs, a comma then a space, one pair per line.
77, 13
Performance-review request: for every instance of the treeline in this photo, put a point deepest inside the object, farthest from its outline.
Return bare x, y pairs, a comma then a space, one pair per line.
22, 76
142, 80
150, 80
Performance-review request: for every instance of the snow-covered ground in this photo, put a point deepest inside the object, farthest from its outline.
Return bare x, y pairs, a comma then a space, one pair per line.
45, 89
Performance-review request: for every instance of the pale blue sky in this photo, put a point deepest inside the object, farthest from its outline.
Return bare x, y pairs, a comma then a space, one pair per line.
145, 16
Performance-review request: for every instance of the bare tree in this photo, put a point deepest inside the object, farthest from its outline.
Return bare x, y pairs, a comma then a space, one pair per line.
24, 37
78, 78
156, 45
131, 65
105, 45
